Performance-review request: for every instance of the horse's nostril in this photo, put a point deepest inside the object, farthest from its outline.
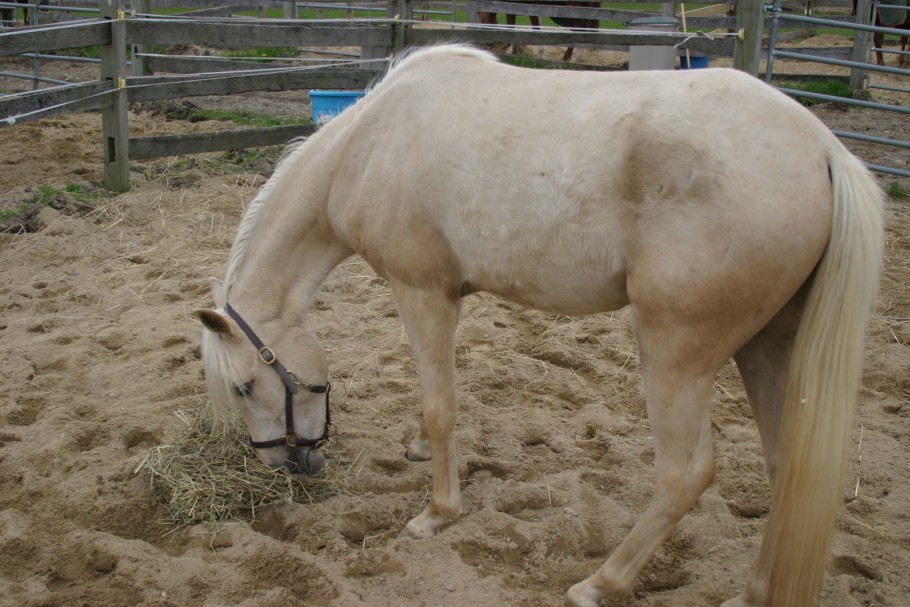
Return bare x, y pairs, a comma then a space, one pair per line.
310, 461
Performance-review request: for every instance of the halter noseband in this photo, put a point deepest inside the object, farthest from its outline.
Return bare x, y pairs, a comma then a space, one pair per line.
291, 385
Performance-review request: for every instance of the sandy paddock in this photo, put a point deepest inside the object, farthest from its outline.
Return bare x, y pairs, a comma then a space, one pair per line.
99, 353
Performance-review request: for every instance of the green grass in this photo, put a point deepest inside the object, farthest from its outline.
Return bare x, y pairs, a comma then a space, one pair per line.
271, 52
8, 214
834, 88
524, 61
897, 192
230, 163
72, 191
19, 216
244, 118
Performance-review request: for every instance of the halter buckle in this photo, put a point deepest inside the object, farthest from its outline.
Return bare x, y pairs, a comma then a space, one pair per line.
290, 439
267, 356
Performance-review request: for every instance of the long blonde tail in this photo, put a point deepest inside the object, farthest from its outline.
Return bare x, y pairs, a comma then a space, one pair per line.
821, 394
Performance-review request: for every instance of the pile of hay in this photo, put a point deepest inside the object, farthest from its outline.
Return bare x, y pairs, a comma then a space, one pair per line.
207, 477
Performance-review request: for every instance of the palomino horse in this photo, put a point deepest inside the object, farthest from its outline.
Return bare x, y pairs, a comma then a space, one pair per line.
762, 242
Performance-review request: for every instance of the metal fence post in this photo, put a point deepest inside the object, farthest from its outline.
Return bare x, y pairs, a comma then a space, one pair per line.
114, 112
750, 21
140, 62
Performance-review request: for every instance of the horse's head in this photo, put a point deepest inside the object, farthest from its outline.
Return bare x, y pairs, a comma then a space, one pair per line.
276, 374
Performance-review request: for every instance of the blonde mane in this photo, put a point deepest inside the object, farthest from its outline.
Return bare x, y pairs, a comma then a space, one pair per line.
220, 375
254, 211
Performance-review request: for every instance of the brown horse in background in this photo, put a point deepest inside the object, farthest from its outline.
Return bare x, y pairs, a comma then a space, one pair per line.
569, 22
893, 20
9, 18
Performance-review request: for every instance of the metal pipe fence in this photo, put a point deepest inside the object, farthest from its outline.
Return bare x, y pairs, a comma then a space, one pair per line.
862, 65
36, 8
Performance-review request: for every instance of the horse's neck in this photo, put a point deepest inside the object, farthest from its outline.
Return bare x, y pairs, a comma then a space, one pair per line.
291, 250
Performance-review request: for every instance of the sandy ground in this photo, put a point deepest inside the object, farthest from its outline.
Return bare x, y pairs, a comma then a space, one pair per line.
98, 352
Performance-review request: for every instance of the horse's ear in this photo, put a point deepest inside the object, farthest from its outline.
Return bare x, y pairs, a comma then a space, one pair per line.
213, 321
218, 292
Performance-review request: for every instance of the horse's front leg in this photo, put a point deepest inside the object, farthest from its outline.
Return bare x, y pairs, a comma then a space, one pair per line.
430, 318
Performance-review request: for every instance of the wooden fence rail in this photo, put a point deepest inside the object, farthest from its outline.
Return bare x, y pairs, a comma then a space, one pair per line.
116, 31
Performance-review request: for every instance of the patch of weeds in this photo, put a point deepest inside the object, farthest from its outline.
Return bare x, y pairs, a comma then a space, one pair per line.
245, 118
168, 109
73, 199
89, 52
250, 160
184, 171
897, 192
264, 52
832, 88
252, 157
524, 61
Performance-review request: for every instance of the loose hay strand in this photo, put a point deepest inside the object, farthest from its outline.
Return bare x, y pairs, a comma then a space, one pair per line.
207, 477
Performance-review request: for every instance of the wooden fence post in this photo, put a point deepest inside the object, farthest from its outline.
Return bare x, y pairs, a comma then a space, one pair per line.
403, 14
861, 44
750, 21
370, 53
114, 111
473, 12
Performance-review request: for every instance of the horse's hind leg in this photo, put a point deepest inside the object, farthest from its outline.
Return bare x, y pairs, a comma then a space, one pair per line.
430, 318
678, 379
764, 366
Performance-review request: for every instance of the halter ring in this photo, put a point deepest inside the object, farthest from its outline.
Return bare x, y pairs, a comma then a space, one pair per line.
299, 384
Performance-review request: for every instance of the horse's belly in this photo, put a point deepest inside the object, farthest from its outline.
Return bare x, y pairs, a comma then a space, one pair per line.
566, 296
561, 279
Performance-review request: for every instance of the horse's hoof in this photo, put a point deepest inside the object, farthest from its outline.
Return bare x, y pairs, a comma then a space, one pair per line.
577, 597
409, 533
421, 527
414, 458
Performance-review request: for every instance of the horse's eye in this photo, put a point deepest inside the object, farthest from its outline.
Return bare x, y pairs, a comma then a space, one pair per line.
244, 389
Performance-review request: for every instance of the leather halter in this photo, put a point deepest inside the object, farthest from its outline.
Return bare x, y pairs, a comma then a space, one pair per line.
291, 386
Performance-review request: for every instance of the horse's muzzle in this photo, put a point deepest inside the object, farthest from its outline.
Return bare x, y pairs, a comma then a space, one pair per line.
306, 460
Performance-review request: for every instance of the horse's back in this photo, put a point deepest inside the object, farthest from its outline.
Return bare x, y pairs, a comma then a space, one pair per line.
548, 187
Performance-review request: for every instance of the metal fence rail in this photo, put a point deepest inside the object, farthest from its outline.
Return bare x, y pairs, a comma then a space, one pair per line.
36, 9
860, 63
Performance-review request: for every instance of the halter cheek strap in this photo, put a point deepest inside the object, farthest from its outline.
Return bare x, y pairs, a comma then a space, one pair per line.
291, 385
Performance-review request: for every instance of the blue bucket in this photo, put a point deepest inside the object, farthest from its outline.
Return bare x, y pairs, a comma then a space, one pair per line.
696, 62
328, 104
